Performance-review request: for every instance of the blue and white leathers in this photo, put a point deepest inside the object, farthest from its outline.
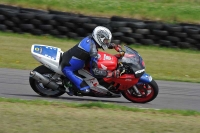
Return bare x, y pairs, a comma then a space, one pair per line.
145, 78
75, 59
76, 64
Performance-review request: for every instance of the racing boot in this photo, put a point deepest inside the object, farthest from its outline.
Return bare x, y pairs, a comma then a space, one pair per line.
85, 90
68, 87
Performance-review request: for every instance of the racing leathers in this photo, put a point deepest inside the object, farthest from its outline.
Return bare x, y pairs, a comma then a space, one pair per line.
75, 58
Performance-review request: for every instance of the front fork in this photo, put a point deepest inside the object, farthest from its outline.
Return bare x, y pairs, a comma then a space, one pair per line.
145, 78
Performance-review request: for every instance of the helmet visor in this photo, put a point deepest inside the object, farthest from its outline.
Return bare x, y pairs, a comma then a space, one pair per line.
106, 41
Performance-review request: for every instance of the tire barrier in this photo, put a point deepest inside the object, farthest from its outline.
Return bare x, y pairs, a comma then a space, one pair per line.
77, 26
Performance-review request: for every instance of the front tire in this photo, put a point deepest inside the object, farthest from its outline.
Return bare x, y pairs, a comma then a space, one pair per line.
39, 88
148, 91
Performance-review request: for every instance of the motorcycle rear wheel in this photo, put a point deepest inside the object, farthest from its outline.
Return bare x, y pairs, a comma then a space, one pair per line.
39, 88
148, 91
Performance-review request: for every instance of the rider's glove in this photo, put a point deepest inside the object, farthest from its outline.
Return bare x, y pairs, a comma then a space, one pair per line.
118, 48
113, 74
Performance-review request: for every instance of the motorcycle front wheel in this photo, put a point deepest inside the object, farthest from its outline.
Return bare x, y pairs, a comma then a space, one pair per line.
39, 88
146, 92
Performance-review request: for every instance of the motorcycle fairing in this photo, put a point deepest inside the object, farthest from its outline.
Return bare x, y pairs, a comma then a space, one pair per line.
135, 61
145, 78
123, 82
92, 82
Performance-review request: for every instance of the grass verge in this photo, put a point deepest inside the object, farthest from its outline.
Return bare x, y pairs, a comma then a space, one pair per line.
36, 116
161, 63
165, 10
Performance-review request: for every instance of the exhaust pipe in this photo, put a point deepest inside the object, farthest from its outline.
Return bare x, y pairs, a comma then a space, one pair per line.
45, 81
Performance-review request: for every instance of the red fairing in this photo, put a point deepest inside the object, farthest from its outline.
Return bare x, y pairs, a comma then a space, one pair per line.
125, 81
107, 61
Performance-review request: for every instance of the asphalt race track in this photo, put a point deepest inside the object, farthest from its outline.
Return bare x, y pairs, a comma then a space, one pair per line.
173, 95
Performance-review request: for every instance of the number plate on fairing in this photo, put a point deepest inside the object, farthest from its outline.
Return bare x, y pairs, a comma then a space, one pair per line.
48, 51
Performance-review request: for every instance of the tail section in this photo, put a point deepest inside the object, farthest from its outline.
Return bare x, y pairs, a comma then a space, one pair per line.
49, 56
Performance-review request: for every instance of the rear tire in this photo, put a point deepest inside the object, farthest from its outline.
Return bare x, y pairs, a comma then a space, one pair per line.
39, 88
148, 93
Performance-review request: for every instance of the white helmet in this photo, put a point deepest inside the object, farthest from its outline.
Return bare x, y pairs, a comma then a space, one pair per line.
102, 36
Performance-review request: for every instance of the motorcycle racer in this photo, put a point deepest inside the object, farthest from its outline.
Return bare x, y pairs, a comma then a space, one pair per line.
87, 50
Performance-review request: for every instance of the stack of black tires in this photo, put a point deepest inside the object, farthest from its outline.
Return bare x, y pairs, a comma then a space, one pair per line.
136, 31
76, 26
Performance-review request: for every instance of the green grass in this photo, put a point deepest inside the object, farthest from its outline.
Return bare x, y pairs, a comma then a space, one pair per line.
37, 116
102, 105
161, 63
166, 10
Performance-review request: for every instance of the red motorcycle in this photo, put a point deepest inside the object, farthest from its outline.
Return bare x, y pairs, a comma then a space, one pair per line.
133, 83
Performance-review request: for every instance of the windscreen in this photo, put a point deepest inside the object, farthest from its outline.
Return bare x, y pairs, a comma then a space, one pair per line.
134, 60
131, 56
